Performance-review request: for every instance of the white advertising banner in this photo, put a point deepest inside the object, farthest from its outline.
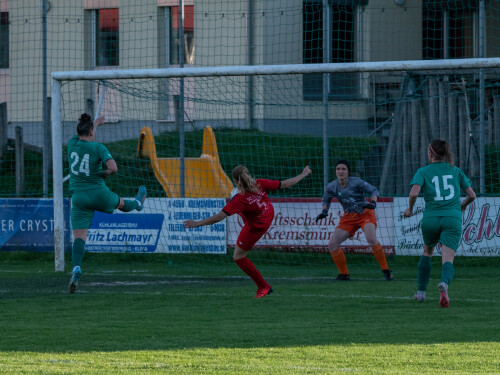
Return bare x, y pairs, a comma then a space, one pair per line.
294, 227
481, 228
210, 239
159, 228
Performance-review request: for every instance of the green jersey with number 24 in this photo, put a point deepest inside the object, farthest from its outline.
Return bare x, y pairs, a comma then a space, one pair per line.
85, 164
441, 184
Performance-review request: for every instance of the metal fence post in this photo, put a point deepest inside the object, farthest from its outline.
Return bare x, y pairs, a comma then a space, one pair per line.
19, 161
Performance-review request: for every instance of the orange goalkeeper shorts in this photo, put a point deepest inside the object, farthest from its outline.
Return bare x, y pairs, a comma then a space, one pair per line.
351, 222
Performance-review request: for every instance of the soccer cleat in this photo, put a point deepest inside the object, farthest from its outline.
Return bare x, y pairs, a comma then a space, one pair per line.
444, 301
264, 291
141, 197
343, 277
419, 296
387, 275
73, 282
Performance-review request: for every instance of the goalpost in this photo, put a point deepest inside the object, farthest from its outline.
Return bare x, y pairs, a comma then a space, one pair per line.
284, 103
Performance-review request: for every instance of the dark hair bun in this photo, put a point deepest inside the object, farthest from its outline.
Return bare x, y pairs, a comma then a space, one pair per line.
345, 162
85, 117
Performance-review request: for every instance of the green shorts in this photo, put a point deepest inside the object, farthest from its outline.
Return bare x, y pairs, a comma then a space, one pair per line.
444, 229
84, 203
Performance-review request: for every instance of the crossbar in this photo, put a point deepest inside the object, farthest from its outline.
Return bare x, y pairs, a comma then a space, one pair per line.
377, 66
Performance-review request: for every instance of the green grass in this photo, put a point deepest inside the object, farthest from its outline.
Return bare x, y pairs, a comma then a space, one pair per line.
32, 176
267, 155
274, 156
180, 315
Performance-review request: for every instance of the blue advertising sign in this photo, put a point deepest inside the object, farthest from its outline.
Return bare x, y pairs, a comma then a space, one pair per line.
28, 225
124, 232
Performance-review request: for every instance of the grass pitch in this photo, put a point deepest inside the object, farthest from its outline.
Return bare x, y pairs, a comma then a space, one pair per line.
154, 315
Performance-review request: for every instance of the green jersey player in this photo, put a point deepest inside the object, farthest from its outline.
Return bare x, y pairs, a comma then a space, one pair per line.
440, 183
89, 192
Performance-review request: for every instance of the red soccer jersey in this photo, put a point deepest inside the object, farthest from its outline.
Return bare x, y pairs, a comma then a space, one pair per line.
255, 208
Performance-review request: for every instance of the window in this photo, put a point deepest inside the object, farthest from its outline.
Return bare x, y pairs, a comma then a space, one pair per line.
168, 55
461, 34
107, 37
447, 30
341, 47
173, 34
4, 40
432, 37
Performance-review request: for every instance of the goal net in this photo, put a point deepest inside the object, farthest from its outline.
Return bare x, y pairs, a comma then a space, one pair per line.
180, 132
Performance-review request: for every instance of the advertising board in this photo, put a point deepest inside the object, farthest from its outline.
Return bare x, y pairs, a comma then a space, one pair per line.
28, 225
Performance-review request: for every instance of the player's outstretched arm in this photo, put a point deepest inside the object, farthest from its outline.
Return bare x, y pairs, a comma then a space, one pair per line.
294, 180
99, 121
208, 221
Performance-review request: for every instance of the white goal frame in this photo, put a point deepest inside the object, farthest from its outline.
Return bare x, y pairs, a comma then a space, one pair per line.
476, 64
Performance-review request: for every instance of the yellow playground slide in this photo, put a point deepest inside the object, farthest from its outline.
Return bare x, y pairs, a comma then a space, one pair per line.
203, 176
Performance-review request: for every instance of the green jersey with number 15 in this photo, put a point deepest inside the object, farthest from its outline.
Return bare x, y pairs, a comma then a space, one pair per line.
441, 185
85, 164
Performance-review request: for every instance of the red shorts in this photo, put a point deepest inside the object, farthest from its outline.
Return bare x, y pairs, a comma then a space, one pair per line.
249, 236
351, 222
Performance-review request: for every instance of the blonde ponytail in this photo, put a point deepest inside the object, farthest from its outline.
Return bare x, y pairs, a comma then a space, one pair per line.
246, 182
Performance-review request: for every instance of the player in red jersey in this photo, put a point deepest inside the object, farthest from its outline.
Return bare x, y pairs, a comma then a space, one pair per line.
253, 205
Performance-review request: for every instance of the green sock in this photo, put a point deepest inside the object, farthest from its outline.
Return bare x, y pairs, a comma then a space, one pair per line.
129, 206
424, 272
447, 272
78, 251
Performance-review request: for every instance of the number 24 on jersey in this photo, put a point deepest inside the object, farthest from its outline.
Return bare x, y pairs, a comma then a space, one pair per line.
84, 167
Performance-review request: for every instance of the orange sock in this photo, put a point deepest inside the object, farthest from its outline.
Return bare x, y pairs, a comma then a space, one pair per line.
379, 254
339, 259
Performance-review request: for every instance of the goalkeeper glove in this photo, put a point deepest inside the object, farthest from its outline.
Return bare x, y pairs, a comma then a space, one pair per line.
322, 215
371, 205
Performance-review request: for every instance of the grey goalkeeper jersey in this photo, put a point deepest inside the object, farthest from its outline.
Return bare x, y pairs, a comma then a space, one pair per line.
352, 196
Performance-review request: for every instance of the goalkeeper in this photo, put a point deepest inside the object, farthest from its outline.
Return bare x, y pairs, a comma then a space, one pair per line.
89, 192
253, 205
358, 213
